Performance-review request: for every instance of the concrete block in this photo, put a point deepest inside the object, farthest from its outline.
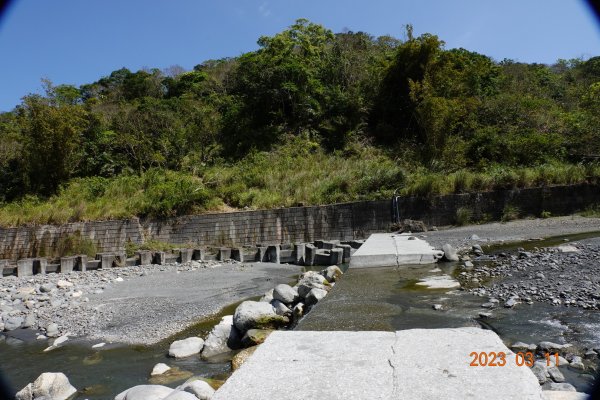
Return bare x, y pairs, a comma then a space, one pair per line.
250, 254
322, 257
160, 258
356, 243
262, 254
131, 261
185, 255
319, 244
198, 255
3, 265
25, 267
52, 268
107, 260
274, 254
329, 244
237, 254
67, 264
224, 253
311, 253
347, 251
211, 257
39, 266
299, 253
144, 257
81, 262
93, 265
287, 256
120, 259
336, 256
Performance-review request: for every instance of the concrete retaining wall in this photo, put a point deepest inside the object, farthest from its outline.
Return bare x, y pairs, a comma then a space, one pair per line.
297, 224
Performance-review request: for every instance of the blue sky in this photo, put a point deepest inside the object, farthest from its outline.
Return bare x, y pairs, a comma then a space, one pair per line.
79, 41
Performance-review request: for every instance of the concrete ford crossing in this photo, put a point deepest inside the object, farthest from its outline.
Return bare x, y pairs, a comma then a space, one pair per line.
409, 364
393, 249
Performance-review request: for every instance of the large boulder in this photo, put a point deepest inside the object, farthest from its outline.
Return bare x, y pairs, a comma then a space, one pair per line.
49, 385
12, 323
255, 314
159, 369
186, 347
223, 338
199, 388
305, 288
449, 253
179, 395
280, 308
255, 337
314, 296
285, 293
145, 392
312, 280
268, 296
332, 273
312, 277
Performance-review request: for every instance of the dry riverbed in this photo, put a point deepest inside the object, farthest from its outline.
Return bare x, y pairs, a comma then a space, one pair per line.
134, 305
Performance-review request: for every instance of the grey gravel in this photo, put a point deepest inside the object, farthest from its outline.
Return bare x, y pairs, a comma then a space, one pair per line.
152, 302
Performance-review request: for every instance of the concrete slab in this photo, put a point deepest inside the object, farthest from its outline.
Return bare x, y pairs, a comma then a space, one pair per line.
411, 364
435, 364
392, 249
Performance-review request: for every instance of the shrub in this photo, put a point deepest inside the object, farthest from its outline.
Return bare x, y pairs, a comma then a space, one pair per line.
464, 216
510, 213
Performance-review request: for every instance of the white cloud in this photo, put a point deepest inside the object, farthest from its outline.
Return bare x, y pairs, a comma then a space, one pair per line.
264, 10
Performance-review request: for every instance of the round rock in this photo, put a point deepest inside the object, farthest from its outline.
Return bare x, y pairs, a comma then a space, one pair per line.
186, 347
285, 293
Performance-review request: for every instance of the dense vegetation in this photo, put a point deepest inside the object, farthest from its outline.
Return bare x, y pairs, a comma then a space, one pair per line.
311, 117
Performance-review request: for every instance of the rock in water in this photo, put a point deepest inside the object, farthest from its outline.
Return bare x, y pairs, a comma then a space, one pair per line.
52, 330
280, 308
145, 392
314, 296
255, 336
159, 369
179, 395
449, 253
186, 347
13, 323
254, 314
49, 385
332, 273
223, 338
198, 388
285, 293
241, 357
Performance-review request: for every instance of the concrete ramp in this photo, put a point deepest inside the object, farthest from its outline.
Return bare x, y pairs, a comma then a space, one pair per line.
411, 364
393, 249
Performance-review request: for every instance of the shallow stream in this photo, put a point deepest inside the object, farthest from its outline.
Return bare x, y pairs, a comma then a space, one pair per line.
365, 299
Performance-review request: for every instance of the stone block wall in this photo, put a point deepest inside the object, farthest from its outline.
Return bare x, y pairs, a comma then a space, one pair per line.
345, 221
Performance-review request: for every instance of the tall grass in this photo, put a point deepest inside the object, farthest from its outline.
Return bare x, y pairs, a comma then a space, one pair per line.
297, 173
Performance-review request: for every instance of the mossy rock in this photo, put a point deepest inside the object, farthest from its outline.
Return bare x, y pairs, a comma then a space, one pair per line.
242, 357
95, 390
173, 375
255, 336
213, 382
93, 359
271, 322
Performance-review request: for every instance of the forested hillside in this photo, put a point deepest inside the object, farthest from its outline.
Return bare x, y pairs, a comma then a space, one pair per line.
311, 117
